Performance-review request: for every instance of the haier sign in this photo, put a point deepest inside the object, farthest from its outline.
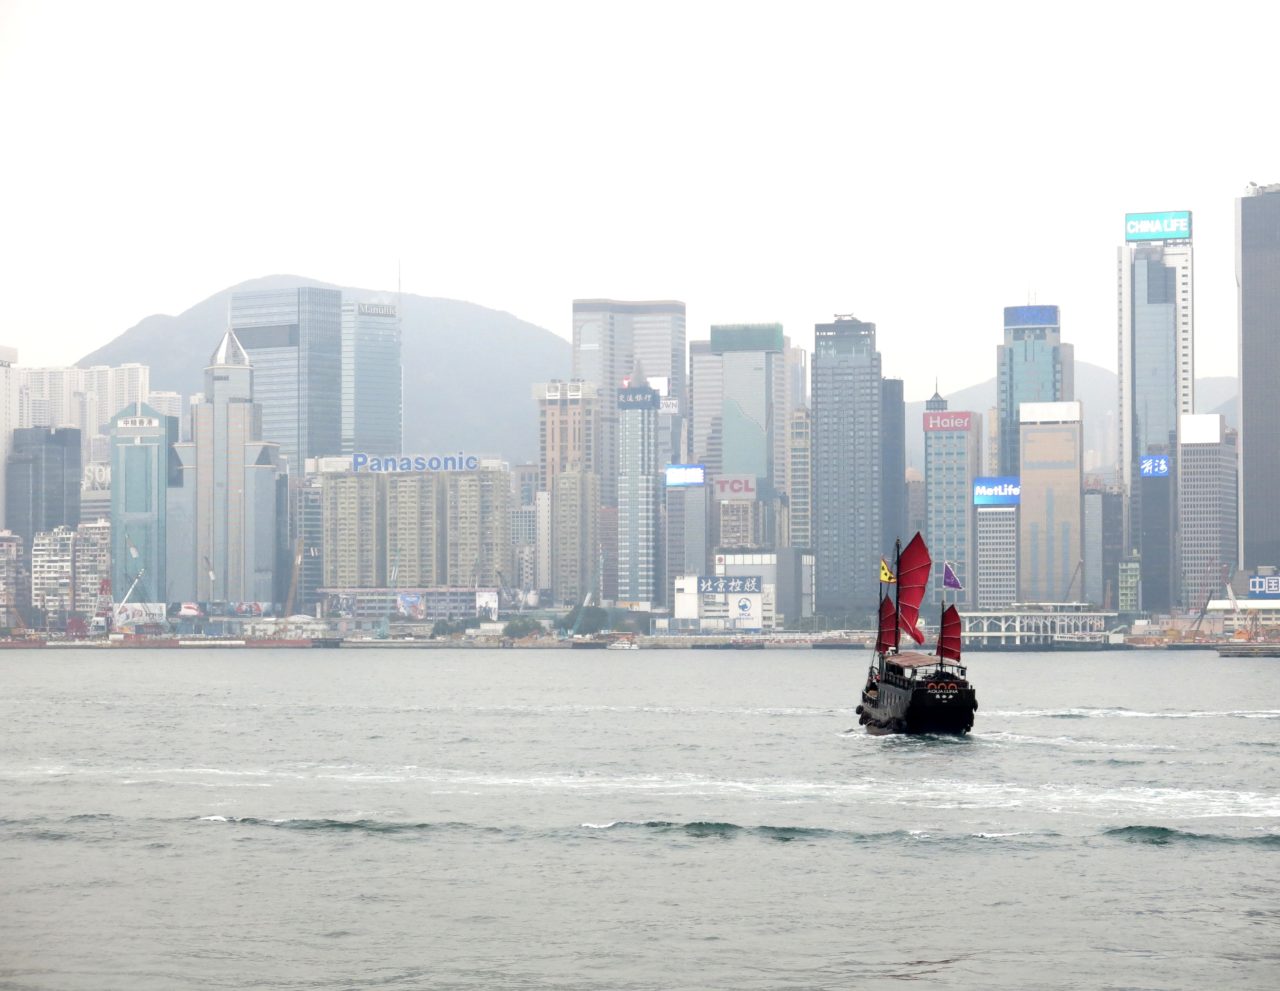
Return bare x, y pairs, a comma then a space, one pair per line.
946, 420
1171, 225
1004, 490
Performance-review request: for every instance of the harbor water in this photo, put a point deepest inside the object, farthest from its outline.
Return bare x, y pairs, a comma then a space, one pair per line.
630, 820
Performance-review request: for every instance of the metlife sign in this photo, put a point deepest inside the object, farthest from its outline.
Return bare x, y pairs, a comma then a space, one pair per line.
1002, 490
1171, 225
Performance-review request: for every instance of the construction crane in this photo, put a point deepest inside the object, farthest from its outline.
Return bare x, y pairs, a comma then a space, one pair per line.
1222, 580
1074, 575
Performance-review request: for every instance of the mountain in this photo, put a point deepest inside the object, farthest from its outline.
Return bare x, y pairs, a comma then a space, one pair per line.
468, 370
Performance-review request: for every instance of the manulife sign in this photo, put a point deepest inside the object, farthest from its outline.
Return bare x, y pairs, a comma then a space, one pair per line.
1171, 225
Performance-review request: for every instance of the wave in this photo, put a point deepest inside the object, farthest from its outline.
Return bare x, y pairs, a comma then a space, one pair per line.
1119, 712
371, 826
1164, 836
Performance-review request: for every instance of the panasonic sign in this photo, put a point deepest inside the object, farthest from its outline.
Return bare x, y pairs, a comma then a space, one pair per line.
1171, 225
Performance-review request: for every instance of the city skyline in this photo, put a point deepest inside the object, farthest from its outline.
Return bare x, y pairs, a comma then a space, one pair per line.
754, 244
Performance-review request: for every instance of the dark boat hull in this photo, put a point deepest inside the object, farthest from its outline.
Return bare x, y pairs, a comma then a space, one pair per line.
918, 710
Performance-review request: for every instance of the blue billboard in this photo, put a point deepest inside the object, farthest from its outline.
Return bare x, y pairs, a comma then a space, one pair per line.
1000, 490
1171, 225
682, 476
1153, 465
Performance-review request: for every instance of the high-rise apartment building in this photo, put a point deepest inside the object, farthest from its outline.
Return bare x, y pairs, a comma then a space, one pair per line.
893, 463
1207, 505
52, 581
568, 429
42, 483
1258, 287
293, 339
372, 374
995, 511
639, 482
144, 465
1050, 558
477, 514
1157, 380
952, 464
847, 468
416, 537
610, 337
800, 475
1103, 543
233, 486
355, 541
92, 565
1032, 366
575, 517
15, 584
9, 391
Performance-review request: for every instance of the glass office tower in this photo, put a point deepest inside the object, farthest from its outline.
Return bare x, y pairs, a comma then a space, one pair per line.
1032, 366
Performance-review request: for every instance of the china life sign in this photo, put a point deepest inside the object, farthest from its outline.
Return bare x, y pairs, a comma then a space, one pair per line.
1170, 225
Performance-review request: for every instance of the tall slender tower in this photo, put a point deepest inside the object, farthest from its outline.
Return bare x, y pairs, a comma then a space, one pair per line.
847, 470
639, 478
1258, 285
1157, 381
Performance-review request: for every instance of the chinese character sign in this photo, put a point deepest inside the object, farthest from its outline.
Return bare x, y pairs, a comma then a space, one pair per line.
725, 585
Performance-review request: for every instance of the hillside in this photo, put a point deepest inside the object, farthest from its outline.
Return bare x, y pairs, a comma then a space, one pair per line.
468, 370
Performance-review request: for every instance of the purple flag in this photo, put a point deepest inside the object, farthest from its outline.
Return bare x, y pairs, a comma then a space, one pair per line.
949, 579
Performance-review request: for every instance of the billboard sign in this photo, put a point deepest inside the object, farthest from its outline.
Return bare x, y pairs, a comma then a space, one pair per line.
139, 613
1170, 225
415, 462
730, 585
411, 605
638, 397
745, 611
738, 487
1153, 465
999, 490
686, 475
1264, 586
946, 420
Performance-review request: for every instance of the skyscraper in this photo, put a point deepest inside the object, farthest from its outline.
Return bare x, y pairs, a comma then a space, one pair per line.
1258, 287
1157, 379
235, 477
847, 470
706, 406
1032, 366
952, 464
1050, 558
800, 473
143, 465
1207, 505
9, 389
575, 515
372, 405
293, 340
893, 463
568, 429
639, 479
42, 481
609, 337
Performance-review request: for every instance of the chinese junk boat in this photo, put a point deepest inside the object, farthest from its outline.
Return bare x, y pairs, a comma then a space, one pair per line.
912, 692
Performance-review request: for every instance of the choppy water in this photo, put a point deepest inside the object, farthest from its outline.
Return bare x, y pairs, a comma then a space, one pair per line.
662, 819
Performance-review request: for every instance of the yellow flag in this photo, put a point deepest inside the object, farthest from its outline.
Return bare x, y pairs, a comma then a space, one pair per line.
886, 576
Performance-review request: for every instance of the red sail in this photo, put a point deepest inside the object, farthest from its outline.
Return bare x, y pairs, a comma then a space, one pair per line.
949, 635
913, 581
884, 638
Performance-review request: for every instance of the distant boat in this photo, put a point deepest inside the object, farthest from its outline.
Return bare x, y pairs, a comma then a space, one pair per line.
623, 645
914, 692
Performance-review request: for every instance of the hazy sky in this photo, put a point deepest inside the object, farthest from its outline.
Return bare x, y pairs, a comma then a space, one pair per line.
921, 165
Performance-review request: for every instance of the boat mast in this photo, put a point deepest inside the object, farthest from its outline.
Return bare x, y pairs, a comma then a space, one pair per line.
897, 587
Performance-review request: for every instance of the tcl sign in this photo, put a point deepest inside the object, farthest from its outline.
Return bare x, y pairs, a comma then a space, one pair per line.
735, 487
946, 420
